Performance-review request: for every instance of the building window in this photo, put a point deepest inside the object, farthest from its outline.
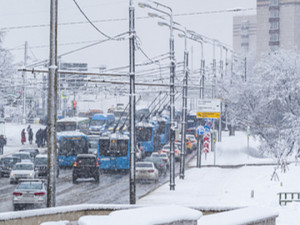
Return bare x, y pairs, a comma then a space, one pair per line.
274, 26
274, 2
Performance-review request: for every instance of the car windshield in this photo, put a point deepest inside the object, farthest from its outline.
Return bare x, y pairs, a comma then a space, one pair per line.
22, 156
98, 122
41, 161
7, 161
29, 185
23, 167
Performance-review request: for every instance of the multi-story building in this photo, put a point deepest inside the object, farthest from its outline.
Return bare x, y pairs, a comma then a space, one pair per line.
278, 25
244, 34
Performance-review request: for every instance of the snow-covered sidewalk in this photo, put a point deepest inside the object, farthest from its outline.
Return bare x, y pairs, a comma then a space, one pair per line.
211, 187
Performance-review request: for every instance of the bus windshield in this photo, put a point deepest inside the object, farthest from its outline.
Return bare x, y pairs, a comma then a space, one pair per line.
110, 148
144, 134
66, 126
70, 147
161, 127
98, 122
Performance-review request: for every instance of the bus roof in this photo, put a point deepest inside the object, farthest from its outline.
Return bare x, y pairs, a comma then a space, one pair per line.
70, 134
73, 119
144, 124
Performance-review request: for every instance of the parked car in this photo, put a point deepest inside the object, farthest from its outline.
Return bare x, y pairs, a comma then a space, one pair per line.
193, 140
163, 156
31, 193
32, 151
41, 166
166, 149
22, 170
145, 171
159, 164
86, 166
23, 156
6, 164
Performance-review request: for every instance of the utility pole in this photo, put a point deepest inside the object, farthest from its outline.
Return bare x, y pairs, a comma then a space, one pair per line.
202, 72
245, 68
24, 82
52, 100
184, 109
214, 70
132, 102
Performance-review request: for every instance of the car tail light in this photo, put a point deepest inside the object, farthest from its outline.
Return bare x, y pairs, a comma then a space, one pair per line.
150, 171
17, 193
39, 193
75, 164
97, 164
176, 152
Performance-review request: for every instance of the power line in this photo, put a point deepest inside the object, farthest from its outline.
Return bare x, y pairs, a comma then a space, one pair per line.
125, 19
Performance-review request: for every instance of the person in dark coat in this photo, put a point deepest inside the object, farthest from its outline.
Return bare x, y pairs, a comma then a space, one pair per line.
2, 143
44, 136
23, 136
38, 137
30, 135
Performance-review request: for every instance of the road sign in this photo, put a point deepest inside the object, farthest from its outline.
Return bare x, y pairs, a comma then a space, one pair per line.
200, 130
215, 115
207, 129
209, 108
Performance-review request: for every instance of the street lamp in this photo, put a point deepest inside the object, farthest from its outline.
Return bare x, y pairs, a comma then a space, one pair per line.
172, 88
184, 95
200, 39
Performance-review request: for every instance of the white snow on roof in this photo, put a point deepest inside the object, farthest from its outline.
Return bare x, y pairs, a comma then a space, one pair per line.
73, 119
70, 134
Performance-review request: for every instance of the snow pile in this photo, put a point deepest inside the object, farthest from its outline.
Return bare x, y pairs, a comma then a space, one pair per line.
144, 216
63, 222
248, 215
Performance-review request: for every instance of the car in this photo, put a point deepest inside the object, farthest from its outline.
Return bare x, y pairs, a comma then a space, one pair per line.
31, 192
93, 144
163, 156
145, 171
6, 164
86, 166
23, 156
22, 170
159, 164
32, 151
41, 166
193, 140
166, 149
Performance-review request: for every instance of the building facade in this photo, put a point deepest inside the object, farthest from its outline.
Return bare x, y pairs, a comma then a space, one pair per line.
244, 34
278, 25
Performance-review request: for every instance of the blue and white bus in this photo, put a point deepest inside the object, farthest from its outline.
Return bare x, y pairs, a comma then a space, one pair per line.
114, 152
70, 144
100, 123
80, 124
148, 137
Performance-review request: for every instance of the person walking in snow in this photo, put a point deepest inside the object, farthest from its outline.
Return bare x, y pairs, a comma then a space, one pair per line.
30, 135
23, 136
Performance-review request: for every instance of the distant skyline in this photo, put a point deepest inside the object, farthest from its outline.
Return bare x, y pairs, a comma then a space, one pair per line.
153, 39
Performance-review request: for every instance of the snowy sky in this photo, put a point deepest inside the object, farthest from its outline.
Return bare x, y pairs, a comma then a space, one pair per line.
154, 39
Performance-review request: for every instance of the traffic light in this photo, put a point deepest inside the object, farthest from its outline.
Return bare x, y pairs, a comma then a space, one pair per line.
74, 105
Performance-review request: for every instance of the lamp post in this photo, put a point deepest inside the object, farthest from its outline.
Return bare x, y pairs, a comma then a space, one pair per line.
172, 89
132, 103
184, 98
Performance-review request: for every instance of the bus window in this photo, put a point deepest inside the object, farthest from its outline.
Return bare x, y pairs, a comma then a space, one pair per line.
144, 134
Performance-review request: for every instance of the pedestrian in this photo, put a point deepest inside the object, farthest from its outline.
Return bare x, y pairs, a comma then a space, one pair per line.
38, 138
44, 136
23, 136
2, 143
30, 135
